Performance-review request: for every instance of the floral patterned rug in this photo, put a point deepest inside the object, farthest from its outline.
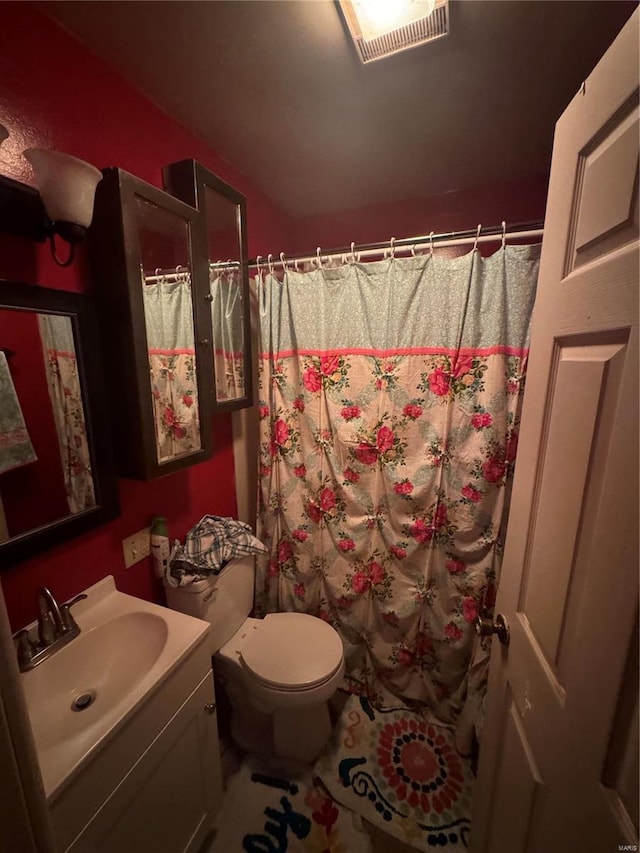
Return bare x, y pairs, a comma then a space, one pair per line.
270, 808
401, 773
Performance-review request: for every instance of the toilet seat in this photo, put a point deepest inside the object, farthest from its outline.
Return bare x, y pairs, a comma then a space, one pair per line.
293, 652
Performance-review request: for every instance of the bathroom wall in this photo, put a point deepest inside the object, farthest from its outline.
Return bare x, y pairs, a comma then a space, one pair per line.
458, 210
56, 94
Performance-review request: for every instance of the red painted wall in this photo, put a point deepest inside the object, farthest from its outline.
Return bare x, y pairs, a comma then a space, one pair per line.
56, 94
458, 210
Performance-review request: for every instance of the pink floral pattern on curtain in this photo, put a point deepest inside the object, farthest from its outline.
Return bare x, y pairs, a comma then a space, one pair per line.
168, 316
175, 402
63, 381
389, 404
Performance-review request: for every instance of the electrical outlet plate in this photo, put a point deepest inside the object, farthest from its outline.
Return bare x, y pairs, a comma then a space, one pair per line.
136, 547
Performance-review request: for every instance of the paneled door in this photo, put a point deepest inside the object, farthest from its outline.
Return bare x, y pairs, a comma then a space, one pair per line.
559, 754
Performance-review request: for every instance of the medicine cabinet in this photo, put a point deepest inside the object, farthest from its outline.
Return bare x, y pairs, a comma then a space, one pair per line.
223, 230
147, 252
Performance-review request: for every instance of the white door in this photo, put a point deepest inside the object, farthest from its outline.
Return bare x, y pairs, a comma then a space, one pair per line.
559, 754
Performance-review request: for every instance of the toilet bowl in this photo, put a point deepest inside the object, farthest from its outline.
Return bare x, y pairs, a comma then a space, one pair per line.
278, 672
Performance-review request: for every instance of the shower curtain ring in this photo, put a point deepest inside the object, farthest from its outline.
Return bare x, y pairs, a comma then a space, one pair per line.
270, 263
475, 243
431, 244
258, 270
353, 252
283, 262
392, 248
319, 258
504, 234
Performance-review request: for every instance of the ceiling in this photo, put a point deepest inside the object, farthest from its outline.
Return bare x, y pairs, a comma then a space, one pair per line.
277, 90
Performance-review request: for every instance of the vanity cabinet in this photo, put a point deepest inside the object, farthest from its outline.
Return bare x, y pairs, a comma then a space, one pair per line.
223, 231
157, 786
148, 254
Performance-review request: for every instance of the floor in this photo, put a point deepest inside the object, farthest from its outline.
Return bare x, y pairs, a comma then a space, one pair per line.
381, 842
233, 756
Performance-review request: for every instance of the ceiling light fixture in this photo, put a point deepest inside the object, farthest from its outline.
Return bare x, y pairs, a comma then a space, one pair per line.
380, 28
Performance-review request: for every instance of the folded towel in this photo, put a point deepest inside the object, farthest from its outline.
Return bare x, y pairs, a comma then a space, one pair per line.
15, 445
208, 548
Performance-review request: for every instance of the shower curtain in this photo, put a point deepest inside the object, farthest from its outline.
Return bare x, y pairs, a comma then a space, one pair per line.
61, 366
389, 402
227, 315
168, 312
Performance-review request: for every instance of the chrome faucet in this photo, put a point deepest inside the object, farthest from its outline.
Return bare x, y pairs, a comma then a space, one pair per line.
49, 609
56, 628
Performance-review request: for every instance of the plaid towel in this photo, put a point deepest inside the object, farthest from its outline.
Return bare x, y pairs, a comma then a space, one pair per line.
208, 548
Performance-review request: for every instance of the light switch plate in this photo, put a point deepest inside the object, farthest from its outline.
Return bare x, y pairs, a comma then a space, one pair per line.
136, 547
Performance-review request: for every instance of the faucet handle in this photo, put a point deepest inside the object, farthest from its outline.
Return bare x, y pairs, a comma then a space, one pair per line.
68, 621
26, 649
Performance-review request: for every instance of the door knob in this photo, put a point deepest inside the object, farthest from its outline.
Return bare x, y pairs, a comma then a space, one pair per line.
485, 628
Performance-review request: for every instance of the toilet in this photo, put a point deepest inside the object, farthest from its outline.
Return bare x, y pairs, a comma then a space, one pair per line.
278, 672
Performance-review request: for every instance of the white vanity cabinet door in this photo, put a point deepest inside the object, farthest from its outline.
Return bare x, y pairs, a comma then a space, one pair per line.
168, 800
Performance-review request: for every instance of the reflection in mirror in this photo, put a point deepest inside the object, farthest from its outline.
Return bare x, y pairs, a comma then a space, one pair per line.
165, 253
227, 309
45, 463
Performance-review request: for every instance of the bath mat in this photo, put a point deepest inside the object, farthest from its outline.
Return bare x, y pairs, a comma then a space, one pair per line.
266, 810
401, 773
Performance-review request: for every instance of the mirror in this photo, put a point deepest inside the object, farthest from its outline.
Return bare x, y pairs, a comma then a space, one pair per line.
56, 475
224, 219
224, 253
168, 315
148, 256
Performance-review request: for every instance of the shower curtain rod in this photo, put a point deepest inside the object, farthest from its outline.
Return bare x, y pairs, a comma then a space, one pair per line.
518, 231
168, 276
182, 274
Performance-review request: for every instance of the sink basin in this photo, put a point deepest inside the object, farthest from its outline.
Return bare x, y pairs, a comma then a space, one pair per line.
80, 695
92, 675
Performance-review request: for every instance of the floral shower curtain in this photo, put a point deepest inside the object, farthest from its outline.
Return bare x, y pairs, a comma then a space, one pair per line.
168, 312
61, 367
227, 316
389, 403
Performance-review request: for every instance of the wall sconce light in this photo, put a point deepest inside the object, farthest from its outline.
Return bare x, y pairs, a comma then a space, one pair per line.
63, 206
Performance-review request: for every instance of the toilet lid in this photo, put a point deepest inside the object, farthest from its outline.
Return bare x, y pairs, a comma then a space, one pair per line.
293, 651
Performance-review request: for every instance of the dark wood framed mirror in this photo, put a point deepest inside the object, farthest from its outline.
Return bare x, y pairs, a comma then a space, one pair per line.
224, 224
57, 474
148, 253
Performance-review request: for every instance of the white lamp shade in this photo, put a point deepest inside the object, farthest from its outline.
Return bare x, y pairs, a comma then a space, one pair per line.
67, 185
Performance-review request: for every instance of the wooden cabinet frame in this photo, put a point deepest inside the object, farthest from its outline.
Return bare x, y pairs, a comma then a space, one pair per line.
116, 263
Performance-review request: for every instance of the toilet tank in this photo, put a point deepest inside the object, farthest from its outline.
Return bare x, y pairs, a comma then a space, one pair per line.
223, 600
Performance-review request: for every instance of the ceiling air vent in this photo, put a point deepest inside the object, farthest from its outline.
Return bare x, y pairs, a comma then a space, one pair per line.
377, 35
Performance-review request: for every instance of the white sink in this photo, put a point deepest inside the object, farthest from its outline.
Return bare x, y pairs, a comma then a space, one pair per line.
80, 696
